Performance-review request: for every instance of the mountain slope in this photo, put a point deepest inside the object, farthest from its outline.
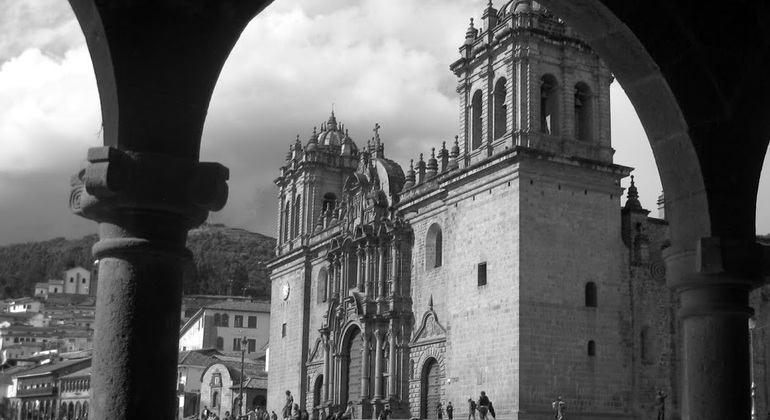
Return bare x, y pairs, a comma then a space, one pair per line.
220, 254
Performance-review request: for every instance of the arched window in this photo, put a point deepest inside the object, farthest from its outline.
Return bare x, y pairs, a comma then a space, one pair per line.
328, 203
220, 343
583, 112
217, 319
225, 320
646, 345
476, 120
591, 348
323, 287
549, 105
591, 298
501, 109
433, 247
296, 217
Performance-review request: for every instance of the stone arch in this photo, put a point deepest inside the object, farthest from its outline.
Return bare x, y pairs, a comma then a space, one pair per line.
435, 353
500, 112
583, 112
434, 247
658, 111
431, 379
550, 102
318, 390
351, 360
476, 119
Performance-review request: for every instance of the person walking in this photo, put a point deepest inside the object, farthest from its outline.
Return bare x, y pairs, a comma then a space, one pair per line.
439, 410
273, 416
559, 407
449, 410
288, 405
483, 405
471, 409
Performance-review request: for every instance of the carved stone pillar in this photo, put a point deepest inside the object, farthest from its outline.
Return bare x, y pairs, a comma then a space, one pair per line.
335, 376
360, 267
345, 274
378, 366
394, 261
327, 363
365, 368
392, 376
144, 203
381, 280
368, 274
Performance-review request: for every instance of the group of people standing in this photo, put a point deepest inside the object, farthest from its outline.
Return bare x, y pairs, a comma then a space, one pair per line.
256, 413
483, 406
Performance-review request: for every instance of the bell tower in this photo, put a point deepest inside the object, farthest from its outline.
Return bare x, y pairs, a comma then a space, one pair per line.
311, 182
525, 79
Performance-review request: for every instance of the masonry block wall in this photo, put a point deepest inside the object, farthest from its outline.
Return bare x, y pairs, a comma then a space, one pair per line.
288, 332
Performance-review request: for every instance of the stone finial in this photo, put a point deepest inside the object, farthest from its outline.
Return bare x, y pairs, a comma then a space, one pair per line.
454, 154
632, 201
409, 175
432, 167
444, 156
471, 33
420, 170
430, 301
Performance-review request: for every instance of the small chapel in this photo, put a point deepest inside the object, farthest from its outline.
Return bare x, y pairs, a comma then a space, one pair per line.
507, 260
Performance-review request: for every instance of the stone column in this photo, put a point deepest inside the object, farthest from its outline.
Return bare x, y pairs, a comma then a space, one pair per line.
378, 366
360, 253
327, 362
368, 263
335, 378
345, 274
332, 289
381, 270
144, 203
714, 312
365, 368
392, 367
394, 261
146, 188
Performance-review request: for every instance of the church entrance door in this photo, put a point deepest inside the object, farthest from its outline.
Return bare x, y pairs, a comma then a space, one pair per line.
430, 390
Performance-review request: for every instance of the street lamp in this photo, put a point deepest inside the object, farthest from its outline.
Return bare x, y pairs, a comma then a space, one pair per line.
244, 343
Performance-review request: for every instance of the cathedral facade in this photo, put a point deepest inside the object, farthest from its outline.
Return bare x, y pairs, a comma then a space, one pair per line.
503, 263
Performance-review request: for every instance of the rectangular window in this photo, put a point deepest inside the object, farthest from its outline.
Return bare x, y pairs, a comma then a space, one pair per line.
236, 344
238, 321
283, 330
252, 322
482, 274
252, 345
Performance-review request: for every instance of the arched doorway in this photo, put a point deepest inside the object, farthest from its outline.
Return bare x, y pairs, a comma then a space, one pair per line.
352, 371
317, 388
430, 389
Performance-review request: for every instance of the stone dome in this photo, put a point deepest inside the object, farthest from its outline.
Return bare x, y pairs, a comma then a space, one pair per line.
331, 133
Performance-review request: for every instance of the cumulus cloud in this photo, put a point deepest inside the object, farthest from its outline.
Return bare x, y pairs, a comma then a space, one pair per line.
380, 62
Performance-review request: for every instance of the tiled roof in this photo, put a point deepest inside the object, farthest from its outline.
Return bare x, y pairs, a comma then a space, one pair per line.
252, 383
6, 376
41, 285
242, 306
194, 358
52, 367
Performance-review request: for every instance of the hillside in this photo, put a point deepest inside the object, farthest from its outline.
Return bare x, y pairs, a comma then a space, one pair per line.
220, 254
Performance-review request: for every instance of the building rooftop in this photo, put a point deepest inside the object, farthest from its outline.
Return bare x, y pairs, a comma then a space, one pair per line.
78, 373
260, 306
53, 367
201, 357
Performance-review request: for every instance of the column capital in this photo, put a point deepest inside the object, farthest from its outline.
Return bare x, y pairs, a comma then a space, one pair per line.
113, 182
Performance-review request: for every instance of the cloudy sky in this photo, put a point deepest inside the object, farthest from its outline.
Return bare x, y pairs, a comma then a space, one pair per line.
380, 62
